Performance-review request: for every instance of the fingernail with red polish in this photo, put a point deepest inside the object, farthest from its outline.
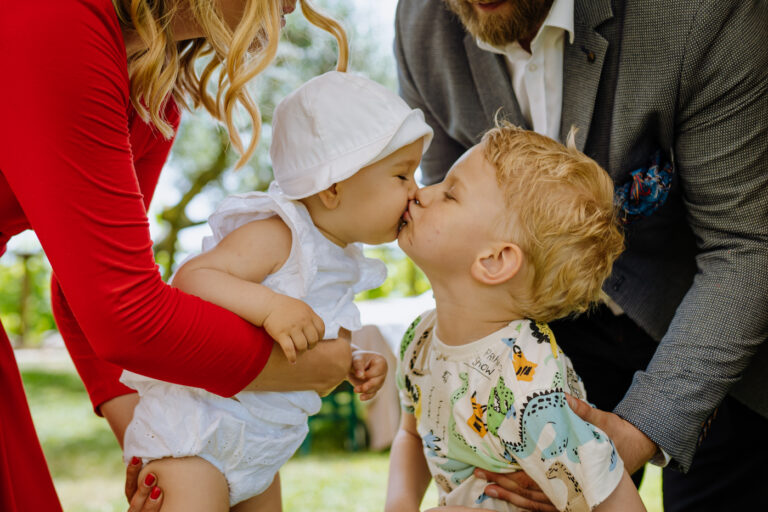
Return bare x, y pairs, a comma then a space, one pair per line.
135, 461
155, 493
149, 480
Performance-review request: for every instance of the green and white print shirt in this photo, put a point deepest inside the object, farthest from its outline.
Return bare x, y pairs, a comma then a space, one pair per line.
498, 403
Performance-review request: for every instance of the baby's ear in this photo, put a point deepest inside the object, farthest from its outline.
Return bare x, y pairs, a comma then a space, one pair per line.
330, 197
497, 264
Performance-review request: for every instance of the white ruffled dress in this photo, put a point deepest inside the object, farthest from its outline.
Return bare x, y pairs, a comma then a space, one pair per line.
250, 436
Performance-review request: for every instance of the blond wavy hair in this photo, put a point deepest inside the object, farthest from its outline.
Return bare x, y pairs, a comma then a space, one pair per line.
165, 68
560, 212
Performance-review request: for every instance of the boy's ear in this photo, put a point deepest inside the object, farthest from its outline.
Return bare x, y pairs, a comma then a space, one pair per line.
497, 264
330, 197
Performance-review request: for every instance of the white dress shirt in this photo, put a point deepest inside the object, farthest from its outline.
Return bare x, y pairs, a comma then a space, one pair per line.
537, 77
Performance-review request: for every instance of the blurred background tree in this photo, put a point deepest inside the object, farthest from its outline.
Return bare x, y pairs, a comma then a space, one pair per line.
199, 173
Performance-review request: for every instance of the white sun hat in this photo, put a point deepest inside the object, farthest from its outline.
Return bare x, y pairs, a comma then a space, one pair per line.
334, 125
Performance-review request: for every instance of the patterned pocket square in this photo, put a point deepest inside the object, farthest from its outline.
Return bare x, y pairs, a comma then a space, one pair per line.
646, 190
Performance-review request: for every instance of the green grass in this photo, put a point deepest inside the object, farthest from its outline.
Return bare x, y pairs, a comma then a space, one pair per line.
87, 467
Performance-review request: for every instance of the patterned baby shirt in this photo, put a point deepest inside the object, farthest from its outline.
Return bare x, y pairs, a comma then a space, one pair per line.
498, 403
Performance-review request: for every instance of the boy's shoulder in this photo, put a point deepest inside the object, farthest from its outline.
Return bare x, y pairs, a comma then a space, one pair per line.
536, 361
419, 328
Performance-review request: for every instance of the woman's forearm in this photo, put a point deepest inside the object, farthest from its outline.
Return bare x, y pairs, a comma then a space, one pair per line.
320, 369
118, 412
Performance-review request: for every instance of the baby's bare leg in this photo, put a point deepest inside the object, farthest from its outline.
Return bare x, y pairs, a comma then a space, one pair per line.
268, 501
189, 484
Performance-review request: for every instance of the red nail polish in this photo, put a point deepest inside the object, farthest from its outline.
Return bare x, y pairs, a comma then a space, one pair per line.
155, 493
135, 461
149, 480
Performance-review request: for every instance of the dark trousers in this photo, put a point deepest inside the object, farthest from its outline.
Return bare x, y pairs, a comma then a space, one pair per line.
730, 469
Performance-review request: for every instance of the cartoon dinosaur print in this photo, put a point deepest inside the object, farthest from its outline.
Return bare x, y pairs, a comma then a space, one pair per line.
458, 448
443, 483
414, 393
475, 421
574, 383
541, 331
544, 334
550, 408
557, 380
576, 501
461, 390
500, 405
408, 336
430, 441
458, 470
420, 354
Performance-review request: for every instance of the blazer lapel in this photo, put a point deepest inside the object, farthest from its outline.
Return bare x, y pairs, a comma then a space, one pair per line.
489, 70
582, 66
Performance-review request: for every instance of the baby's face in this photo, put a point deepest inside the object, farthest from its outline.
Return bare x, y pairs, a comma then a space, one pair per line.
449, 223
377, 195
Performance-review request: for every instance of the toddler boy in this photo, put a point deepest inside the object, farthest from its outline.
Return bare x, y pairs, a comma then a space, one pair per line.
522, 231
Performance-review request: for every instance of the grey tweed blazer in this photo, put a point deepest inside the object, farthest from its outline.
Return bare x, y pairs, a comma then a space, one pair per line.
689, 79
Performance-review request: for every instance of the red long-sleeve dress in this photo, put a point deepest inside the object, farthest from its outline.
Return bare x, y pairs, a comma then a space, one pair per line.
79, 167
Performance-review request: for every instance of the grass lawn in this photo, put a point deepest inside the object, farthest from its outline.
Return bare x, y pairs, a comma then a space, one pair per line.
87, 467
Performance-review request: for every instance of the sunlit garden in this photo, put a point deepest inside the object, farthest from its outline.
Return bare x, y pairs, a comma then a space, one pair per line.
87, 467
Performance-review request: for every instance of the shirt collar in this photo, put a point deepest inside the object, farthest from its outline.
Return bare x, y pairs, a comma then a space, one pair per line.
560, 16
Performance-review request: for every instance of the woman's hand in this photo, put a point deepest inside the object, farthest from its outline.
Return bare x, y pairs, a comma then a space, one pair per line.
321, 369
143, 496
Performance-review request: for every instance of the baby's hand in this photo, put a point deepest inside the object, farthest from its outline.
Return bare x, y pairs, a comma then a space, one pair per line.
367, 373
293, 325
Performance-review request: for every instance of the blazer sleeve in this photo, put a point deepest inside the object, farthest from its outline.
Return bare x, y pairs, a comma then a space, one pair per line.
69, 163
721, 154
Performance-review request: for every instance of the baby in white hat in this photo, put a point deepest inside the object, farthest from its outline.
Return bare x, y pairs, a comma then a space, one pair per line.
344, 153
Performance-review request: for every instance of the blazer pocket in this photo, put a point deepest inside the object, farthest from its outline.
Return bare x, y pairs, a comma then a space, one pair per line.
646, 189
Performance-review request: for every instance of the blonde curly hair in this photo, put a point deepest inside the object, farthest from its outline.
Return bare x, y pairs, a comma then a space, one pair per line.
165, 68
560, 212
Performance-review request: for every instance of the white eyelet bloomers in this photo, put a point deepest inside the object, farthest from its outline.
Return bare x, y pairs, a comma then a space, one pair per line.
250, 436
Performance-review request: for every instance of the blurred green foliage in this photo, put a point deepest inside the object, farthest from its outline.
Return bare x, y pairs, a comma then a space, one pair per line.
404, 278
87, 468
38, 317
86, 463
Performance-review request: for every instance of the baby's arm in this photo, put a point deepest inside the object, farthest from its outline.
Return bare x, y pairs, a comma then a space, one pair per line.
230, 274
408, 472
367, 372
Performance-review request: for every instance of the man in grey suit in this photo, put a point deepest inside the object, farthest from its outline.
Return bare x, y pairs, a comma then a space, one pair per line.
671, 98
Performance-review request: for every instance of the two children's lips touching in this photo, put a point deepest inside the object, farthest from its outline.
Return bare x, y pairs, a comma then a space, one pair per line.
404, 220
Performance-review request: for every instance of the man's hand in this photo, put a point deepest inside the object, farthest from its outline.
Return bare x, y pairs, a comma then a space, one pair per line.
516, 488
367, 372
634, 447
293, 325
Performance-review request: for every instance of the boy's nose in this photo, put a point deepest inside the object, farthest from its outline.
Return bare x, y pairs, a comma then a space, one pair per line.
423, 195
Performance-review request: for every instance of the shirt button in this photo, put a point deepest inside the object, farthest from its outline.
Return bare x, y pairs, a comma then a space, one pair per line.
533, 67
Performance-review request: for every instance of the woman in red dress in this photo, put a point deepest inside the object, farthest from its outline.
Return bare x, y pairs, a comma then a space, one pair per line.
89, 105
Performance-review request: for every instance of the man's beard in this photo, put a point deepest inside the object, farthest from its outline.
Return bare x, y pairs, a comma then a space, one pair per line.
499, 29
